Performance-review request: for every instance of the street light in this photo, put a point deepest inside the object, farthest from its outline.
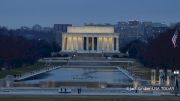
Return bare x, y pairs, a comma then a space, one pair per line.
176, 72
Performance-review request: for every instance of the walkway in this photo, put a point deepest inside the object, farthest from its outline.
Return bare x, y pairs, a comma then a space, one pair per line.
74, 91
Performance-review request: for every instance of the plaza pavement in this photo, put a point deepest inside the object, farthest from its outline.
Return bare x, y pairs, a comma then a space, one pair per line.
74, 91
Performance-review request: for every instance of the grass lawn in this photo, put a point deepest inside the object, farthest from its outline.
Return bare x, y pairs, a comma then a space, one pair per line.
137, 68
89, 98
141, 71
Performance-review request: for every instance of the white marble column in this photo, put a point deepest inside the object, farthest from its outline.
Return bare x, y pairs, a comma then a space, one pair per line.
108, 48
67, 47
92, 43
63, 42
77, 46
108, 44
112, 44
103, 44
97, 44
72, 46
82, 43
117, 43
69, 43
66, 44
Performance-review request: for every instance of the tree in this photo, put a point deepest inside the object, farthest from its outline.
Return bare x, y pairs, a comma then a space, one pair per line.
16, 50
160, 51
135, 48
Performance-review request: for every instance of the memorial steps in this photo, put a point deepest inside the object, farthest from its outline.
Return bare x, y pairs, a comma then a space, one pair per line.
90, 55
90, 60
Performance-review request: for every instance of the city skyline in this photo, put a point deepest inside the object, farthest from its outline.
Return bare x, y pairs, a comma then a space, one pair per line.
18, 13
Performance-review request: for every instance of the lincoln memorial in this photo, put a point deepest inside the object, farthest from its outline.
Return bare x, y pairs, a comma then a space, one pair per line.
90, 39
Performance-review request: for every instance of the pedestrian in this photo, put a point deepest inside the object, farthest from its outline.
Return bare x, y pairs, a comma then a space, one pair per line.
78, 90
176, 87
61, 90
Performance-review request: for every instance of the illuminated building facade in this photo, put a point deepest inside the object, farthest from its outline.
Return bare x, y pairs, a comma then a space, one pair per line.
90, 39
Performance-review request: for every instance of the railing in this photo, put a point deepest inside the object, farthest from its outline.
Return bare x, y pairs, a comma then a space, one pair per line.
33, 73
126, 73
54, 59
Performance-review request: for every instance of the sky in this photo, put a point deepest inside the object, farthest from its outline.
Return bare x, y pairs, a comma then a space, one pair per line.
16, 13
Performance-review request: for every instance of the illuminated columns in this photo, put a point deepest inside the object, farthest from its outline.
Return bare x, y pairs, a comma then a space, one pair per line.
117, 44
108, 47
72, 40
72, 46
102, 43
69, 43
77, 46
79, 43
82, 43
112, 44
75, 43
105, 43
63, 42
97, 44
92, 43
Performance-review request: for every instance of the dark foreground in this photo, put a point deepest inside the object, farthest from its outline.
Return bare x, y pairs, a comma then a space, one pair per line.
89, 98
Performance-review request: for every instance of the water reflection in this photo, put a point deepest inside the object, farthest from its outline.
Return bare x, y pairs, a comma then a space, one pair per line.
81, 74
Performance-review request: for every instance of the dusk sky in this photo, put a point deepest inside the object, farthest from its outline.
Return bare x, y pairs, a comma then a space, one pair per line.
16, 13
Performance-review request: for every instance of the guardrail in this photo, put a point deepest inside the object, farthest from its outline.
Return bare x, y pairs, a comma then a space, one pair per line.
126, 73
34, 73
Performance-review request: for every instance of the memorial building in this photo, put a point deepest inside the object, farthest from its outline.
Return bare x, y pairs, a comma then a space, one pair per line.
90, 39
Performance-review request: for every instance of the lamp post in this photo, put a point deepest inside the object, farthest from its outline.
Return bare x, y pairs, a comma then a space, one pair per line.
176, 73
135, 85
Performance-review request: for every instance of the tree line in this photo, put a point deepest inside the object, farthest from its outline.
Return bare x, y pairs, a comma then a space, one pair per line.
157, 52
16, 50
